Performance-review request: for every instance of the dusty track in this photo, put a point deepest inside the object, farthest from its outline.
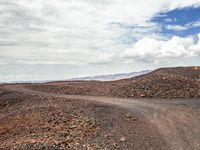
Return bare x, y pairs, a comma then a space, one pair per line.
178, 121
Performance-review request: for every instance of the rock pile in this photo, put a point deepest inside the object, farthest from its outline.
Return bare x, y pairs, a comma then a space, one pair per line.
159, 86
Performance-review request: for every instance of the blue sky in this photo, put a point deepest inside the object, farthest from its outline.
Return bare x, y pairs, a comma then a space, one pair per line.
180, 17
52, 40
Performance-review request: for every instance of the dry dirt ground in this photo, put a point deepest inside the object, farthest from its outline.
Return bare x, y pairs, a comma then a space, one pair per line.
32, 119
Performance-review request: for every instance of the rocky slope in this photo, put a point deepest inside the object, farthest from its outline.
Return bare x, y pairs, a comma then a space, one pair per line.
179, 82
30, 122
163, 83
45, 116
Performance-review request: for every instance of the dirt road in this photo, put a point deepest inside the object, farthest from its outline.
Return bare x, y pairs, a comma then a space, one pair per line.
177, 120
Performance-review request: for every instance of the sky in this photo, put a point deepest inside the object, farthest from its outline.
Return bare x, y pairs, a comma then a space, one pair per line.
62, 39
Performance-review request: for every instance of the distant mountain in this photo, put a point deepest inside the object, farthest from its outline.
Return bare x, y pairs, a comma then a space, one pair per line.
178, 82
88, 78
112, 77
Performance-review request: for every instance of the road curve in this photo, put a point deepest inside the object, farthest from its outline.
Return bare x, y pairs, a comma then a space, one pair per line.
178, 120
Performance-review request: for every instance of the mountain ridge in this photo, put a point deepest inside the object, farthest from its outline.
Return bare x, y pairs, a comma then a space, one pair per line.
175, 82
111, 77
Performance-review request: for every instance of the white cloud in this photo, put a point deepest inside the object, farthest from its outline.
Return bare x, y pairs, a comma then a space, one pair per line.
176, 47
176, 27
196, 48
183, 3
183, 27
100, 59
82, 32
170, 19
149, 49
194, 24
18, 77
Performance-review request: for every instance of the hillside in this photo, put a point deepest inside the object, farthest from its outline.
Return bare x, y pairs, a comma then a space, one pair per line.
179, 82
37, 121
87, 115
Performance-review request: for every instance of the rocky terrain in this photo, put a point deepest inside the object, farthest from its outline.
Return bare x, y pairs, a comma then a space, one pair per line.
180, 82
158, 110
36, 121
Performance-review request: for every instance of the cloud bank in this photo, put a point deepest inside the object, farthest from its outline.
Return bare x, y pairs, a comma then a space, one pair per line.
153, 50
90, 32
